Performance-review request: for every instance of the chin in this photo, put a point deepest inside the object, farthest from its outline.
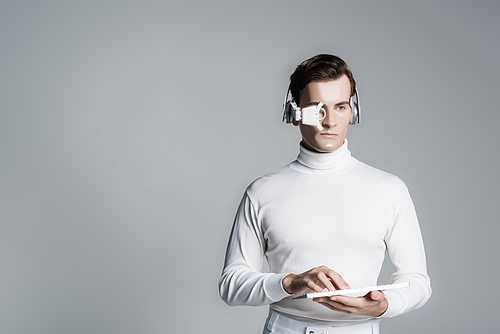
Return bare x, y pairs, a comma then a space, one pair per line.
326, 148
321, 147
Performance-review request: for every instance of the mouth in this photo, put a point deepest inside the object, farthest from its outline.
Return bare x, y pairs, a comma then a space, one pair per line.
329, 135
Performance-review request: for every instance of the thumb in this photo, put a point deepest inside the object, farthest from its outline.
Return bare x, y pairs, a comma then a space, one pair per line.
376, 295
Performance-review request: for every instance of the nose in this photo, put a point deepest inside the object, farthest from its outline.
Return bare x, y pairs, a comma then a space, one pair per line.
330, 119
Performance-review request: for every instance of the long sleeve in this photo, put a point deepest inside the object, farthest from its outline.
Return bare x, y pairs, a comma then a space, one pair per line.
406, 251
242, 282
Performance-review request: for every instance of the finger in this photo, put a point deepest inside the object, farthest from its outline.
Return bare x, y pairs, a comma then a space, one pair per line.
337, 280
348, 301
339, 307
326, 281
376, 295
313, 286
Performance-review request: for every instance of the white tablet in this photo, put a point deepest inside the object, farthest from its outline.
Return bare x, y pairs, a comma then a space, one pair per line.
357, 291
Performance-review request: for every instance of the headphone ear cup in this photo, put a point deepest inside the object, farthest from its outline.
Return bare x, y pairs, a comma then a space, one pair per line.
287, 112
354, 108
290, 109
354, 115
287, 108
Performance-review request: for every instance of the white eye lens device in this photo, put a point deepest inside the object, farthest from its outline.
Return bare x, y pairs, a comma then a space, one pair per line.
311, 115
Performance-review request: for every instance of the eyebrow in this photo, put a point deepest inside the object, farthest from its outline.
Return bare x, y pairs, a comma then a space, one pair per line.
341, 103
313, 103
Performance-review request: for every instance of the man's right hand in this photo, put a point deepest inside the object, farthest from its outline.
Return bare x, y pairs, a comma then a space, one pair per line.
315, 279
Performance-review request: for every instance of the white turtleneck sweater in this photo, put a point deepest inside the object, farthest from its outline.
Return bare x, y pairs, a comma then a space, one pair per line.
324, 209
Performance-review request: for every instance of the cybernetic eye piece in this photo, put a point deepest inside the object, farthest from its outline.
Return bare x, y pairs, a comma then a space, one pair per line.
311, 115
314, 114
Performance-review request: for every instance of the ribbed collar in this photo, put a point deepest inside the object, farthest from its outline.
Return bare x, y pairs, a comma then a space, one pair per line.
339, 159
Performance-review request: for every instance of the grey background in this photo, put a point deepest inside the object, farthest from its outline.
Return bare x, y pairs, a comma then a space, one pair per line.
130, 129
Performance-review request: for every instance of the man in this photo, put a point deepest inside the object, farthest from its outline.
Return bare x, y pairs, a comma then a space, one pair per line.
324, 221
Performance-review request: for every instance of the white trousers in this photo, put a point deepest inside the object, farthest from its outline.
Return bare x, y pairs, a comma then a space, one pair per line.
279, 324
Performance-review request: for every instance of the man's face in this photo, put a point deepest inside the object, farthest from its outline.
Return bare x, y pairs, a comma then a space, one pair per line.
335, 95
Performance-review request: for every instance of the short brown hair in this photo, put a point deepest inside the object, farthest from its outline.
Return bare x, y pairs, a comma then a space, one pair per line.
323, 67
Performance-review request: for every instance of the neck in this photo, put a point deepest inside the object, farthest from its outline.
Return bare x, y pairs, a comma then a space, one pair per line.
335, 160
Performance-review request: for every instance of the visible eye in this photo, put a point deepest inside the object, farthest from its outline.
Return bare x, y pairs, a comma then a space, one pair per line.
341, 108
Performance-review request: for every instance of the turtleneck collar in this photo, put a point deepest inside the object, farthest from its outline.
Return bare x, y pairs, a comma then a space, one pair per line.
340, 159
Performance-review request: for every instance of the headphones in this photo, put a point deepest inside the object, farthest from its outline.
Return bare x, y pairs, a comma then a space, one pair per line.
312, 115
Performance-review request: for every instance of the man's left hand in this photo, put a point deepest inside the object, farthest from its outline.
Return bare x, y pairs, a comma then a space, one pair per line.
373, 304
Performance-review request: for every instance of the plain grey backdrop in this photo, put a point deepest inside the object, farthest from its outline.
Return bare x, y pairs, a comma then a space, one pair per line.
130, 129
